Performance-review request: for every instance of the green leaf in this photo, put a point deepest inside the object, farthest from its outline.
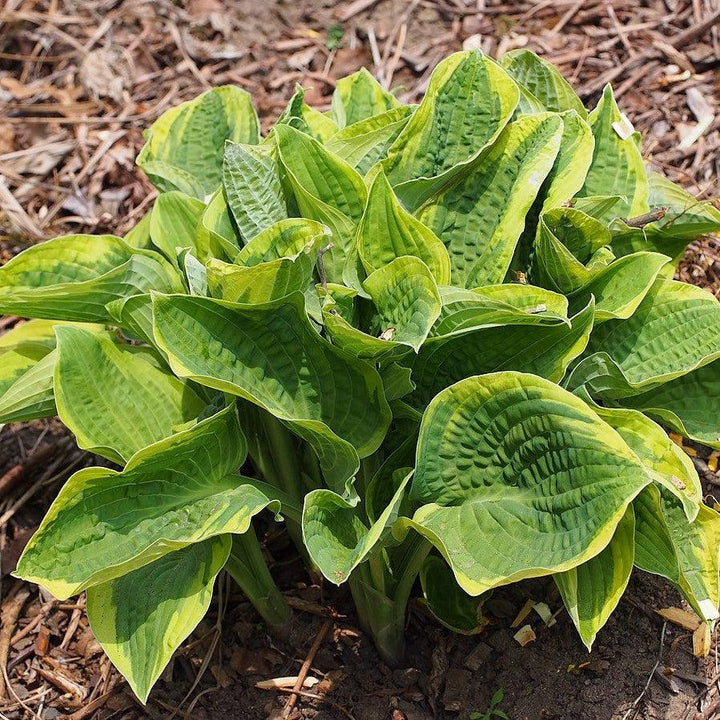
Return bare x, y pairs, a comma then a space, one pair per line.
686, 218
543, 80
654, 550
139, 236
464, 310
591, 591
299, 115
31, 396
74, 277
697, 545
340, 330
271, 355
407, 300
113, 400
216, 235
184, 147
666, 337
251, 180
366, 142
667, 464
387, 231
481, 217
22, 347
617, 167
469, 100
263, 282
684, 552
323, 175
173, 222
514, 456
359, 96
620, 287
690, 405
335, 535
571, 164
177, 492
450, 604
527, 298
326, 189
566, 240
545, 350
285, 239
141, 619
277, 262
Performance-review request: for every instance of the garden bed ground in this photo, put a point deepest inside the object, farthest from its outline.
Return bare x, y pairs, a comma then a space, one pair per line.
78, 82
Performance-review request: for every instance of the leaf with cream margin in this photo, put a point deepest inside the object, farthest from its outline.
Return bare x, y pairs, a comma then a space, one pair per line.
592, 590
406, 298
141, 619
545, 350
113, 400
463, 310
666, 337
358, 97
684, 552
277, 262
366, 142
663, 459
179, 491
301, 116
480, 217
342, 332
251, 180
322, 174
515, 456
617, 167
543, 80
690, 404
326, 189
184, 146
336, 536
271, 355
571, 164
528, 298
31, 396
469, 100
387, 231
74, 277
173, 222
216, 234
685, 219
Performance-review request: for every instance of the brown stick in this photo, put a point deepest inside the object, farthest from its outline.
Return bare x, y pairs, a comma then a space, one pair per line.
695, 31
290, 704
17, 474
10, 615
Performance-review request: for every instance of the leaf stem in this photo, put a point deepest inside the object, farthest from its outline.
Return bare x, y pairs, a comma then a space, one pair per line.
382, 613
248, 568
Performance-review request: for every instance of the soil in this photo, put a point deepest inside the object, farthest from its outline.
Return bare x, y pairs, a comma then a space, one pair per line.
78, 83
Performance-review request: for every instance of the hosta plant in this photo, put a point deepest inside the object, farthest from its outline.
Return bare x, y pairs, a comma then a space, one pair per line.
441, 343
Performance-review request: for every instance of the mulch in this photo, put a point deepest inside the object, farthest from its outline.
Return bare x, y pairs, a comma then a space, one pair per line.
79, 81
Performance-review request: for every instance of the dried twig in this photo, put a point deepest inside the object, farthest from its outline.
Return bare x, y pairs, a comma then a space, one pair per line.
10, 615
324, 630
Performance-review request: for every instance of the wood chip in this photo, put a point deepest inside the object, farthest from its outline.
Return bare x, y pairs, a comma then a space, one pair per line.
702, 640
285, 682
525, 635
524, 612
681, 618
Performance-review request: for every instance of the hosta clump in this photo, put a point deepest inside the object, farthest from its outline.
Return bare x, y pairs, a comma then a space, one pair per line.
438, 341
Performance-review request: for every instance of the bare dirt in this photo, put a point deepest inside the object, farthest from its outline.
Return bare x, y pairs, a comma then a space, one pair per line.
78, 83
